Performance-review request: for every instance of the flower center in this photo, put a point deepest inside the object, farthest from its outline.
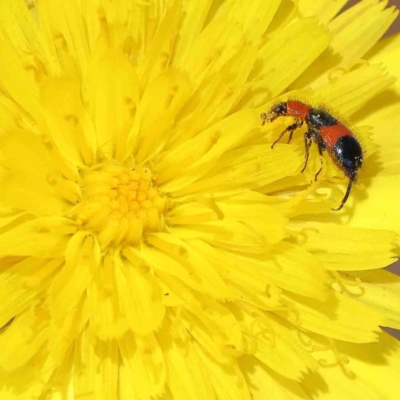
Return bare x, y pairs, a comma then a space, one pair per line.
119, 204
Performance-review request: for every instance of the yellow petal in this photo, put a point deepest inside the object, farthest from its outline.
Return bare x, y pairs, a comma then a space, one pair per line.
20, 378
10, 116
268, 300
82, 258
349, 92
31, 175
384, 111
385, 377
214, 49
162, 100
177, 293
41, 237
18, 75
381, 209
354, 32
159, 35
193, 22
139, 296
357, 29
20, 29
24, 283
252, 280
222, 90
22, 32
32, 193
64, 388
288, 267
219, 138
86, 361
252, 18
325, 10
274, 343
214, 327
380, 290
144, 366
162, 263
188, 377
126, 22
339, 317
296, 270
205, 274
111, 92
371, 373
126, 389
267, 384
240, 228
344, 248
248, 168
303, 40
386, 51
228, 380
23, 338
67, 122
96, 369
64, 22
107, 319
63, 333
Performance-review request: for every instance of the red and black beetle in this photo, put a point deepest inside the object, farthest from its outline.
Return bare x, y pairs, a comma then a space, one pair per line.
326, 131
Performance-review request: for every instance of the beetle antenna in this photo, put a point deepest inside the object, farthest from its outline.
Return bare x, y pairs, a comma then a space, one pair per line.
346, 196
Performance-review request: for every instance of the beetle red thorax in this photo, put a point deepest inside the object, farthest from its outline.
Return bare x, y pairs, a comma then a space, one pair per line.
297, 109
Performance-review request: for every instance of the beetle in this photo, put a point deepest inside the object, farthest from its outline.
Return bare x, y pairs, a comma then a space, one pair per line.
327, 132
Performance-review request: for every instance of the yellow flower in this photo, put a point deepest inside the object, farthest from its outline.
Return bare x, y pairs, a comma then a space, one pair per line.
152, 245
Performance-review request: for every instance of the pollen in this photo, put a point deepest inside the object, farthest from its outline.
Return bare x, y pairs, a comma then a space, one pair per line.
120, 204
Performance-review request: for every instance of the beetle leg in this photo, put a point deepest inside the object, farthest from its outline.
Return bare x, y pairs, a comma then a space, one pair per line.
321, 146
307, 145
291, 128
299, 125
346, 196
319, 171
